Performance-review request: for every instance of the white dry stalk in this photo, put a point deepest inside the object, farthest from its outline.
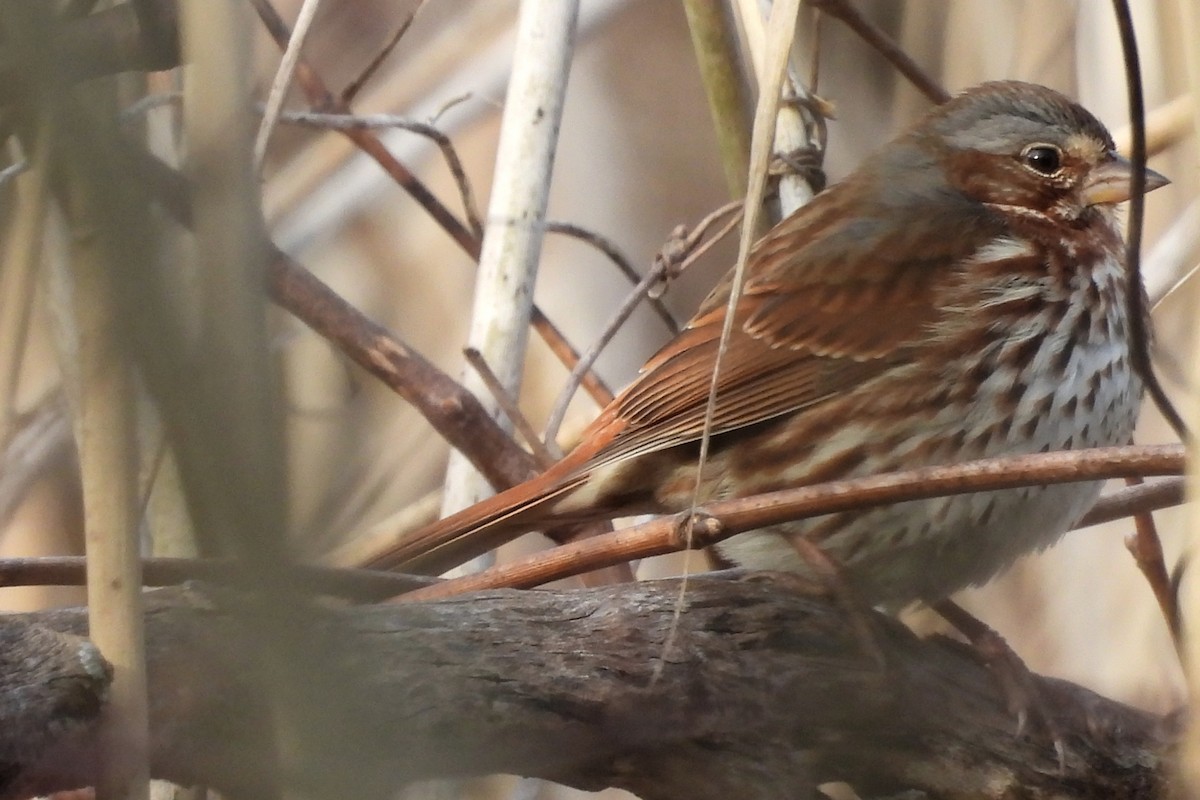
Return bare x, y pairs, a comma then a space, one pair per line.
21, 257
283, 79
791, 134
102, 394
514, 229
107, 441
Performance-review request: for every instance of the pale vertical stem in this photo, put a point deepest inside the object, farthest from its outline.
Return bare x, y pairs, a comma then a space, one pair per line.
22, 253
791, 134
714, 40
161, 493
1189, 601
166, 516
771, 76
104, 401
237, 387
227, 421
283, 79
516, 215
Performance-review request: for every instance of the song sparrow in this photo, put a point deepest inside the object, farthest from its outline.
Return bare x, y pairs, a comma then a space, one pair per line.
961, 295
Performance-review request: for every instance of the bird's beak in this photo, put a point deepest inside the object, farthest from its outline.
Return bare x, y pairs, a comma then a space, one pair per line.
1112, 182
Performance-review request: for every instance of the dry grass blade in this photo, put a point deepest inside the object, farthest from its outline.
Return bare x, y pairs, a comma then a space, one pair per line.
22, 254
40, 439
782, 27
283, 78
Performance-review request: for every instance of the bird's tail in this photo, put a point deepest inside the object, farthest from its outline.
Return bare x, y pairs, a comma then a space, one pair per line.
479, 528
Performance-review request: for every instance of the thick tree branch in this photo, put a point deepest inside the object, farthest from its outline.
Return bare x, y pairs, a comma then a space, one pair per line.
764, 691
140, 36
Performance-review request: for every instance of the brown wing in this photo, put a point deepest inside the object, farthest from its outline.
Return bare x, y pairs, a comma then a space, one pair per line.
829, 303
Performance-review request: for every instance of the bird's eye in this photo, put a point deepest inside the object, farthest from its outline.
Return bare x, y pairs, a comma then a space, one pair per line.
1042, 158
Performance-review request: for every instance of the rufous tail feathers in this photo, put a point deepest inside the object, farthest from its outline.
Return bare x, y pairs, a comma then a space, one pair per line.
477, 529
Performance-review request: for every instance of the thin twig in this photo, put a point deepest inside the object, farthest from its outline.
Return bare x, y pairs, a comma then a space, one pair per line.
568, 356
355, 86
12, 171
609, 248
624, 310
1146, 548
680, 252
723, 519
148, 103
321, 98
283, 78
1139, 336
695, 248
508, 404
346, 122
363, 585
887, 47
453, 412
1134, 500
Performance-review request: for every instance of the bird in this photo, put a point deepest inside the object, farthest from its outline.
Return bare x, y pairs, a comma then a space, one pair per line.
962, 294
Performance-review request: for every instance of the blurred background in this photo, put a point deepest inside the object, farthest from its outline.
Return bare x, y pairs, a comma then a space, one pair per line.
637, 157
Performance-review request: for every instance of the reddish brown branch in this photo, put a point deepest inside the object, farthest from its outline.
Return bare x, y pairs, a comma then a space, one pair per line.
454, 412
1146, 549
724, 519
360, 585
1133, 500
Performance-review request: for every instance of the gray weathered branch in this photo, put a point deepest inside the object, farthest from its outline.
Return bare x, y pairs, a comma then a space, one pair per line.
764, 691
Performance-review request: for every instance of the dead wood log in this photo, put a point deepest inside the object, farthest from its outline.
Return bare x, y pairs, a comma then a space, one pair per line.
753, 690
